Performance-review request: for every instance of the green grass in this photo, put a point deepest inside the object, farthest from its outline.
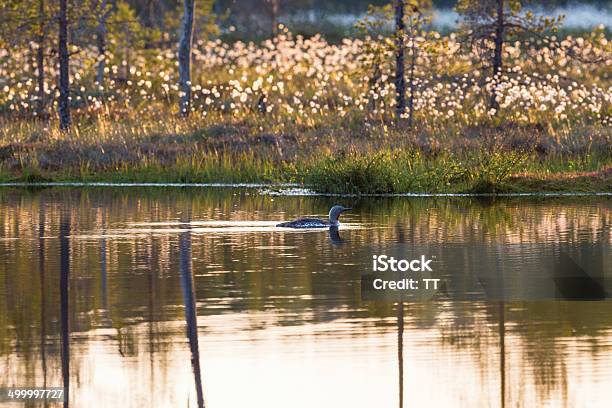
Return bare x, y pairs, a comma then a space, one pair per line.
211, 168
486, 172
344, 156
384, 172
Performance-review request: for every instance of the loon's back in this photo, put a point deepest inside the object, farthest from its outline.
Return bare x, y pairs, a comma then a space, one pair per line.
334, 213
304, 223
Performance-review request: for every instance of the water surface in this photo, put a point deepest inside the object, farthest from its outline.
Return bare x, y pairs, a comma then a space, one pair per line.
139, 297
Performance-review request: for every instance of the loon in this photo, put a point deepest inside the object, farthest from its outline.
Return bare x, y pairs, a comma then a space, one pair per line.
334, 213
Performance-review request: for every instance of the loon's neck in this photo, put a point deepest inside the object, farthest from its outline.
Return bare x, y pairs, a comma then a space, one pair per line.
334, 214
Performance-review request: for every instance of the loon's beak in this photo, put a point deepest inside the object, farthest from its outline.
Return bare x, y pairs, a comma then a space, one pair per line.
346, 209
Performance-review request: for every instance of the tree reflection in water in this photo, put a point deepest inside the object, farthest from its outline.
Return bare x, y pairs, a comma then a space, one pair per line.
64, 300
105, 250
191, 317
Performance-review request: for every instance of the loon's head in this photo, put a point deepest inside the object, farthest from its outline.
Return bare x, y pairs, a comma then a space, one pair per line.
334, 214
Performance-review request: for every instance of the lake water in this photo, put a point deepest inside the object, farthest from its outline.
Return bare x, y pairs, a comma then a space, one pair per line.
150, 297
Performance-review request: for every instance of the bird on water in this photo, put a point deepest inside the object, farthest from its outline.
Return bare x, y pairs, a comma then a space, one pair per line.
333, 222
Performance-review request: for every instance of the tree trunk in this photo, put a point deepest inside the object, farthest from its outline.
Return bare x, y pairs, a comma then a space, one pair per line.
40, 59
105, 11
149, 20
64, 76
400, 81
148, 14
126, 59
274, 7
373, 81
184, 56
499, 46
101, 43
411, 74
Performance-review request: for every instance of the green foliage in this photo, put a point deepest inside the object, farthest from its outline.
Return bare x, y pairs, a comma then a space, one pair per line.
30, 175
354, 173
205, 24
24, 22
289, 98
380, 43
409, 171
498, 166
480, 20
493, 171
376, 21
125, 30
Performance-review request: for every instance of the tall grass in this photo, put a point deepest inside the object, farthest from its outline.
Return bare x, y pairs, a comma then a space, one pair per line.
410, 171
339, 155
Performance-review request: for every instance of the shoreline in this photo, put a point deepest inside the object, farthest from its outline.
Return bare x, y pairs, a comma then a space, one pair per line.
569, 184
333, 159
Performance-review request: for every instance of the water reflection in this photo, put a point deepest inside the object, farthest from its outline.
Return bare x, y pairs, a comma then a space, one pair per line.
190, 309
502, 352
400, 351
64, 301
334, 236
41, 271
110, 292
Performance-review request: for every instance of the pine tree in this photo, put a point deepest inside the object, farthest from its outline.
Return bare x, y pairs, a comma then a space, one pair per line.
103, 10
489, 24
400, 80
184, 56
28, 23
64, 67
410, 16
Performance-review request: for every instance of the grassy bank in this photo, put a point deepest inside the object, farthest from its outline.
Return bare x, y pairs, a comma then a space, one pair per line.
486, 172
338, 157
354, 174
295, 109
